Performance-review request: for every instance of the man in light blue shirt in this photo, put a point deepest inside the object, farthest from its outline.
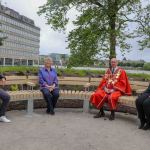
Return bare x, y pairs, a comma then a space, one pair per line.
49, 85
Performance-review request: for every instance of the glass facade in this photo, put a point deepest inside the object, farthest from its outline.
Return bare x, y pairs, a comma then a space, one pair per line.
8, 61
30, 62
1, 61
22, 38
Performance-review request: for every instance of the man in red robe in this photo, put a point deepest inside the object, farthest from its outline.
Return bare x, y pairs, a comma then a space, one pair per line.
113, 85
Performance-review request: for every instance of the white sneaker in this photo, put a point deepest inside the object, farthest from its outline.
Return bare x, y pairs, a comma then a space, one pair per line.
4, 119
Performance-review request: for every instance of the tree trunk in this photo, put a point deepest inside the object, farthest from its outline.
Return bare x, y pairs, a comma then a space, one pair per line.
112, 27
112, 37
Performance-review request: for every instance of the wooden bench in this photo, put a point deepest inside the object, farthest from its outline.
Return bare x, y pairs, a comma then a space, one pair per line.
31, 94
137, 88
135, 85
66, 94
15, 80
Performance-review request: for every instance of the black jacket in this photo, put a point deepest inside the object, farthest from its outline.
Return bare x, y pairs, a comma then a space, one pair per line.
2, 76
147, 90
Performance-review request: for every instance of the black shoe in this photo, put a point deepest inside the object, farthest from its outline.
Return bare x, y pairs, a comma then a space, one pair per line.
52, 112
99, 115
146, 127
47, 111
112, 115
141, 125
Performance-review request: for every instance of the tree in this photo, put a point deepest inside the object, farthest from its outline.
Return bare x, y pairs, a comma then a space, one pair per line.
100, 26
143, 16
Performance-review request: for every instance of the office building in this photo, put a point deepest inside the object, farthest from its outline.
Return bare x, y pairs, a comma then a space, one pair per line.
21, 46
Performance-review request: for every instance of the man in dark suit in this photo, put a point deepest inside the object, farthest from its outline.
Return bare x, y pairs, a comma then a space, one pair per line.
5, 101
143, 108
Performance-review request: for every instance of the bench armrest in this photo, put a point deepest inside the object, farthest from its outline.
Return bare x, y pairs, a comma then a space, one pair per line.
31, 84
87, 86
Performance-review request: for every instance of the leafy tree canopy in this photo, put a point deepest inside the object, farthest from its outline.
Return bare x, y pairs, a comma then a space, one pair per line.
100, 27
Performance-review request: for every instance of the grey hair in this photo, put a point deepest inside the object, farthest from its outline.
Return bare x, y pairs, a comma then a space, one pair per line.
48, 59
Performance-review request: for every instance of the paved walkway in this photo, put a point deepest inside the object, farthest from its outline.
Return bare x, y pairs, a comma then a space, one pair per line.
70, 129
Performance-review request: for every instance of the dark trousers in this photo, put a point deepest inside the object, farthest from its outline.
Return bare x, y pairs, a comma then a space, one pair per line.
143, 107
50, 98
5, 101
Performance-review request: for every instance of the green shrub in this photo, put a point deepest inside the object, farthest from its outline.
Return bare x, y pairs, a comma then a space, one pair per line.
146, 66
139, 76
72, 72
80, 73
18, 69
14, 87
131, 63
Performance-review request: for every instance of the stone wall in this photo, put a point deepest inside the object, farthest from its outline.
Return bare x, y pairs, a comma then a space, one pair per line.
65, 103
42, 104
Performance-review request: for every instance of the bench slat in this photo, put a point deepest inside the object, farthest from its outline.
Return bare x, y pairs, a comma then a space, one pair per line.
127, 100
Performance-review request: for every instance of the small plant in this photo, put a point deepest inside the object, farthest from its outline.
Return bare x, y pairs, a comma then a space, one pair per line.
14, 87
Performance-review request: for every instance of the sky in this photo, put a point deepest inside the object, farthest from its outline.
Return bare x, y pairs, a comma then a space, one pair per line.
55, 42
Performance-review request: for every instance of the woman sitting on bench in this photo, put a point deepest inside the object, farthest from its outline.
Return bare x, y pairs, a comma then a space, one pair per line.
49, 85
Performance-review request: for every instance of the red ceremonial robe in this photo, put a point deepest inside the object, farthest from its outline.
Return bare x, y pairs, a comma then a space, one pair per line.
118, 82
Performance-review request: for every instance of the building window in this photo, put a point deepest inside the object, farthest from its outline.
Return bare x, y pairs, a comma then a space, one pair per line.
8, 61
35, 62
17, 62
23, 62
1, 61
30, 62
